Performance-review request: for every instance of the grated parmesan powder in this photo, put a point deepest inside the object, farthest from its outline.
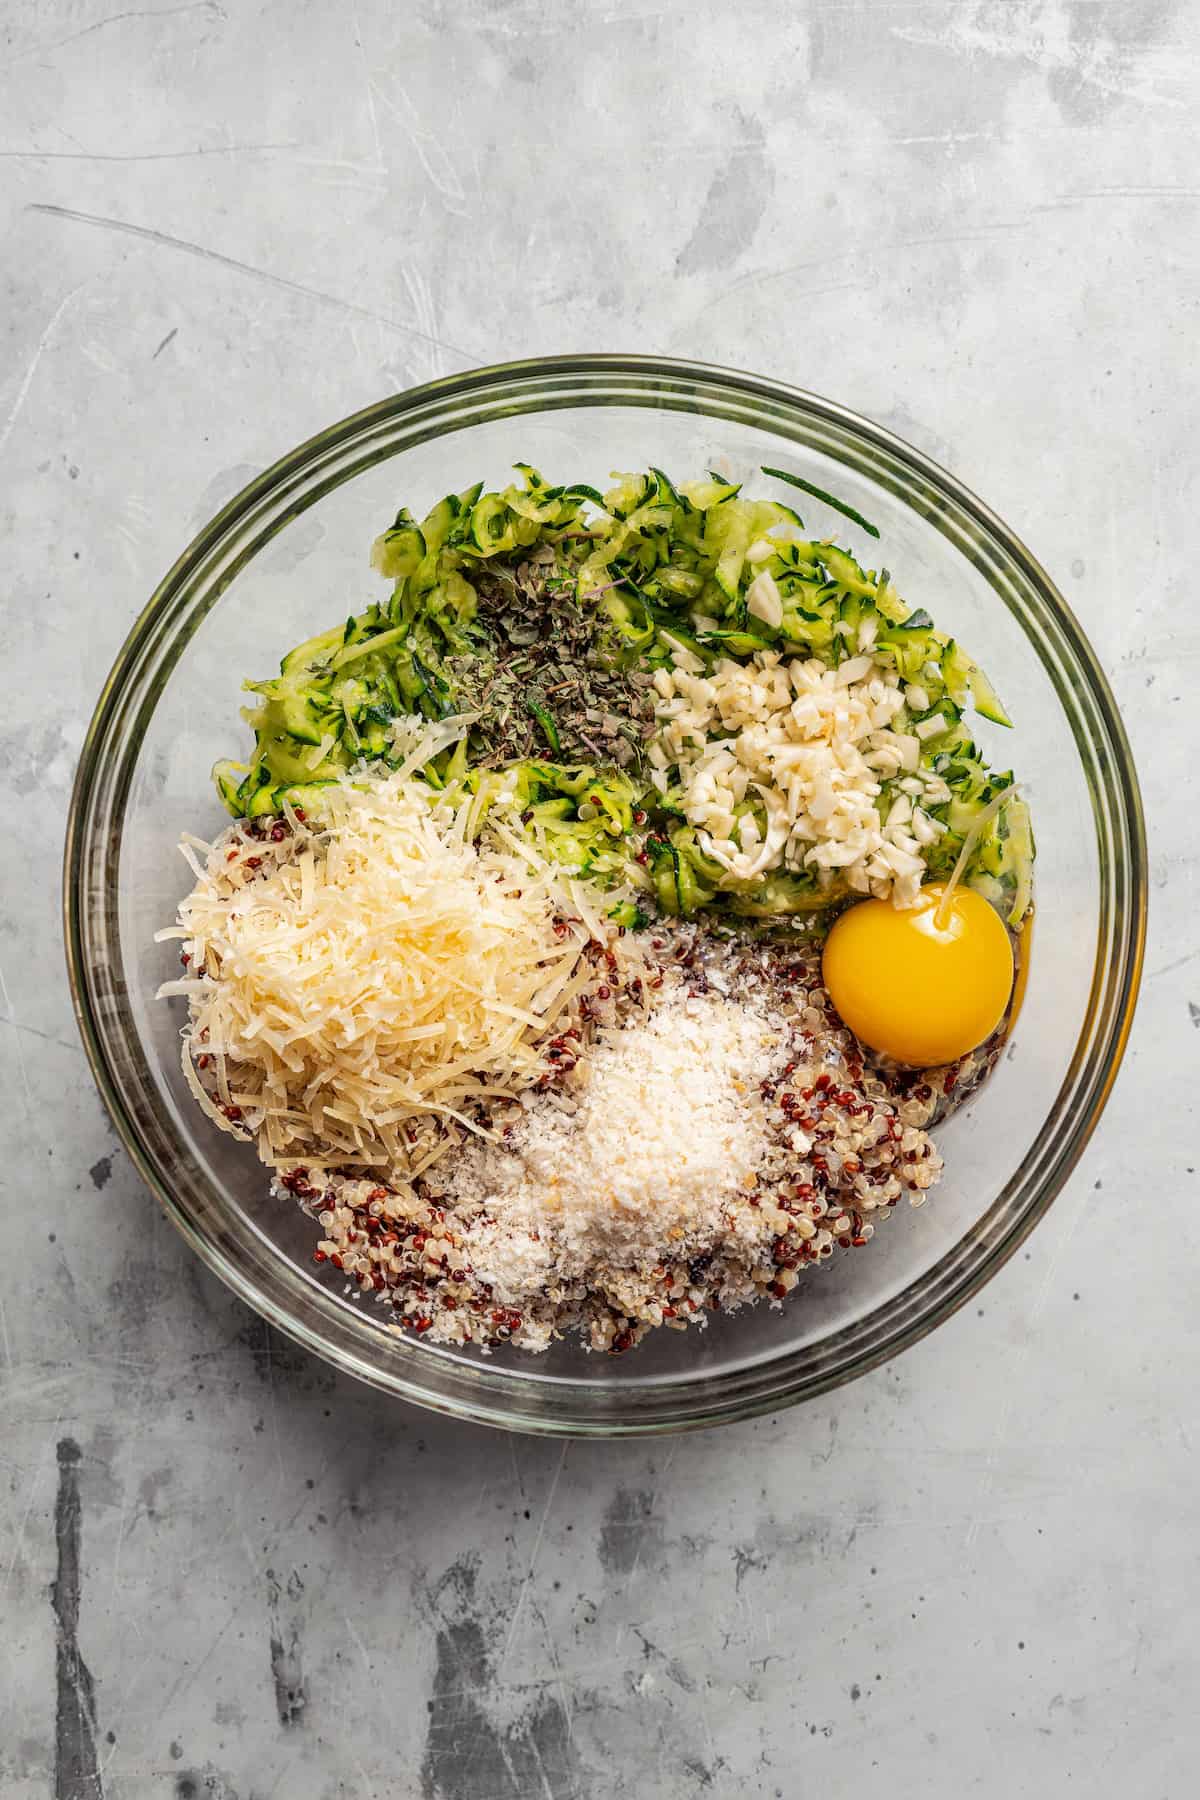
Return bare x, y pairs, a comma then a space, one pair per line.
670, 1128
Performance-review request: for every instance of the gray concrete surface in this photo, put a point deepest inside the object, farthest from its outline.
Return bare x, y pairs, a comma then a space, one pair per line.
230, 1574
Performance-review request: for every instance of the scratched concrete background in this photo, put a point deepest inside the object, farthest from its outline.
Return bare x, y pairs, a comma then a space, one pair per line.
231, 1575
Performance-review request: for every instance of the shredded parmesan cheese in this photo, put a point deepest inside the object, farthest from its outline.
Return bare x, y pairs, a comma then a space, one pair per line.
365, 980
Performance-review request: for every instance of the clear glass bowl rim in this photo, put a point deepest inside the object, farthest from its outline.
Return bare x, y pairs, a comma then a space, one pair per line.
515, 1397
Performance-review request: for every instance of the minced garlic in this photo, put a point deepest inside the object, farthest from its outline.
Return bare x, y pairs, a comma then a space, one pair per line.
814, 747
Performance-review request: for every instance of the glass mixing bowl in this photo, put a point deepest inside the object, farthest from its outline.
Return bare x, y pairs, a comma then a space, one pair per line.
290, 553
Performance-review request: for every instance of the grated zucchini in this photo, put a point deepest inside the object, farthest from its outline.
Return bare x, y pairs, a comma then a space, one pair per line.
662, 567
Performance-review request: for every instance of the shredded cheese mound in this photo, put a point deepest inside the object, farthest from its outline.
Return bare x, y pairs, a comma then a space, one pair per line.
813, 746
375, 976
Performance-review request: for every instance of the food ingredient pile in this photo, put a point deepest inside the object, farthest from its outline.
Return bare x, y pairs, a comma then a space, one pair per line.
510, 965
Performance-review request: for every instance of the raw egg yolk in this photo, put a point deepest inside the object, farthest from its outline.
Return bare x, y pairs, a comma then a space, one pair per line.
921, 986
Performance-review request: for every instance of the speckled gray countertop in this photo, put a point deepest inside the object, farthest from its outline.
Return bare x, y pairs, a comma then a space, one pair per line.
230, 1574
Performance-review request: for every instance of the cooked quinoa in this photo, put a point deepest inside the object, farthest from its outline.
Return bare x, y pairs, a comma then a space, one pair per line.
845, 1139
